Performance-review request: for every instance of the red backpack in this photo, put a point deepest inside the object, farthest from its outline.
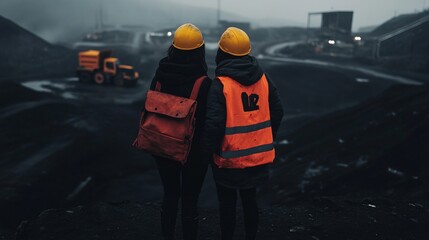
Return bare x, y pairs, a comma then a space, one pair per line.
167, 123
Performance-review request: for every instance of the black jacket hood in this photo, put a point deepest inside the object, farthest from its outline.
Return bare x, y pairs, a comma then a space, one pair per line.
245, 70
178, 74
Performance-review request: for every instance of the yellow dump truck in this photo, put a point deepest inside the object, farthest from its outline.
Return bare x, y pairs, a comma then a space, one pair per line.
99, 67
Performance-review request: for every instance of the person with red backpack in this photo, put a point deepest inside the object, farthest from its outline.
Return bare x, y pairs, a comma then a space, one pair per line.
244, 112
177, 98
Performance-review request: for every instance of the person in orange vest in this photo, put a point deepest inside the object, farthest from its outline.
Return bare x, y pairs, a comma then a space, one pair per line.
244, 112
177, 73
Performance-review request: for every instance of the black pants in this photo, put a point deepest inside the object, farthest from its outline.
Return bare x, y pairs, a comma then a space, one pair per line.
227, 209
185, 182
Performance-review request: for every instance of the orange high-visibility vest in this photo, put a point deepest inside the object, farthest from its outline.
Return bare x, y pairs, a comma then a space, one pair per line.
248, 139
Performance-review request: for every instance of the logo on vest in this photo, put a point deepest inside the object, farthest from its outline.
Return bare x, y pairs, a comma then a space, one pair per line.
250, 103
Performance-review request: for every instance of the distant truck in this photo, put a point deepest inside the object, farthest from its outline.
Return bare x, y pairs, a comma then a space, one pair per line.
99, 67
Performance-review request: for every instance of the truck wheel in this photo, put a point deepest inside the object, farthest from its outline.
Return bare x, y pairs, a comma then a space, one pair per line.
84, 77
99, 78
119, 80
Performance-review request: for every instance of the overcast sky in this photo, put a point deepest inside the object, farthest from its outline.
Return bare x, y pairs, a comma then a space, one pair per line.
59, 20
366, 12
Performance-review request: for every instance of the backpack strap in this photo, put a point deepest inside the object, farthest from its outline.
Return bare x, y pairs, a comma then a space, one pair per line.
158, 86
196, 88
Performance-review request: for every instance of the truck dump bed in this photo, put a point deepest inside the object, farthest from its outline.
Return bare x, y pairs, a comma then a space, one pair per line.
93, 59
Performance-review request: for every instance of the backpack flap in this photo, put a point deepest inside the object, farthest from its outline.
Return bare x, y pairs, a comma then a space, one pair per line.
167, 124
169, 105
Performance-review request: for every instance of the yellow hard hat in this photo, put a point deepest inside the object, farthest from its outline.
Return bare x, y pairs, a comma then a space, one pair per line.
188, 37
235, 42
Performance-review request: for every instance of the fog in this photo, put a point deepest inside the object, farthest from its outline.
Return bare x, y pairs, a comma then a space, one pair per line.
366, 12
65, 20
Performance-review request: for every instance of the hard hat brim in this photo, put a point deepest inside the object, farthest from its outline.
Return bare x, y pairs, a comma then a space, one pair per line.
234, 54
188, 49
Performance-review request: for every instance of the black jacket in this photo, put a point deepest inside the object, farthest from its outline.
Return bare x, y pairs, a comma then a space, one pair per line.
178, 79
246, 71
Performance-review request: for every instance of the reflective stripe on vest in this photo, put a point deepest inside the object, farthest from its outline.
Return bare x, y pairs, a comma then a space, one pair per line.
248, 139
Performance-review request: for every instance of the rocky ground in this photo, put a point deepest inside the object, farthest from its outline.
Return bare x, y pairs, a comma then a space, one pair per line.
363, 177
377, 148
319, 218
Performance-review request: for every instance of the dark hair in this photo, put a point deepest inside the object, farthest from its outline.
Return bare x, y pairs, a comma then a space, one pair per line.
221, 55
196, 56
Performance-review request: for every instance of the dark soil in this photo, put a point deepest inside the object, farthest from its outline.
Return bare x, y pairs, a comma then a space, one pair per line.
320, 218
50, 146
377, 148
364, 177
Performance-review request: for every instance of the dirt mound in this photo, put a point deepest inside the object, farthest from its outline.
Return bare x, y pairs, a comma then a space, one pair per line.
397, 22
28, 55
